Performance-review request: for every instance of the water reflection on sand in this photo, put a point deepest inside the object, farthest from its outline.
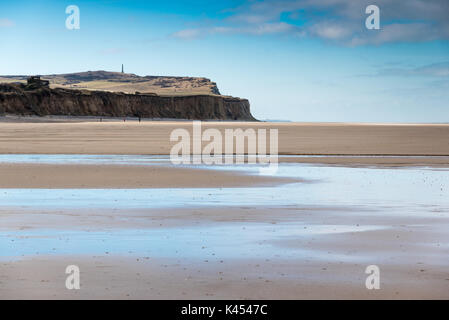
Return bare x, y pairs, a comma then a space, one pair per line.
407, 192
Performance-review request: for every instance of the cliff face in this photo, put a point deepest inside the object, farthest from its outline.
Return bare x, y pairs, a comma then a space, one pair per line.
17, 99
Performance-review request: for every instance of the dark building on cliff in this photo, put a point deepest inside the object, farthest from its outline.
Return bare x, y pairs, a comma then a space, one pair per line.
35, 82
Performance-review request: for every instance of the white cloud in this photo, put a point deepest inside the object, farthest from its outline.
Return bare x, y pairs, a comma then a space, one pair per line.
341, 21
330, 31
257, 29
268, 28
436, 70
188, 34
413, 32
6, 23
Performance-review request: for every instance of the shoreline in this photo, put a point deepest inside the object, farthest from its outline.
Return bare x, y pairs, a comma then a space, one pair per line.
13, 118
390, 161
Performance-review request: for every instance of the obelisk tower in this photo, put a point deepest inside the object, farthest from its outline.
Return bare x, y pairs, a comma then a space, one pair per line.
122, 69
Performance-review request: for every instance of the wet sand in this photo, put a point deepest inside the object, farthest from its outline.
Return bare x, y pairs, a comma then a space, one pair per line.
59, 176
310, 263
315, 247
152, 137
81, 176
134, 278
373, 161
188, 233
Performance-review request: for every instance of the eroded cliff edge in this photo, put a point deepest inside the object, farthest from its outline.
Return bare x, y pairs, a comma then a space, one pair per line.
18, 99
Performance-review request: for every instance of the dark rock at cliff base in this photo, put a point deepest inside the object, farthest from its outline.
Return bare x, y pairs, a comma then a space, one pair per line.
20, 100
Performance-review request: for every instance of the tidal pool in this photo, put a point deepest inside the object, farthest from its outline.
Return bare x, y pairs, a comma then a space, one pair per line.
412, 190
235, 240
407, 192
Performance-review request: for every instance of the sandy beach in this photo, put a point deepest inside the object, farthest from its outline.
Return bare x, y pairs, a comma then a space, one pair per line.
234, 151
413, 264
153, 137
141, 228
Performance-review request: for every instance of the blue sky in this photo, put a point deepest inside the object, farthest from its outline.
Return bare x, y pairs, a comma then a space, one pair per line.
298, 60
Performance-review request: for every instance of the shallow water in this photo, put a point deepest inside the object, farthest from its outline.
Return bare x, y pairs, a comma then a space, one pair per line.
422, 192
147, 159
253, 241
409, 189
82, 159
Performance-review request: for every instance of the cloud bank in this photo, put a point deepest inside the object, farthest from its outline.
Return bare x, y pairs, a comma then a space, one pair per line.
339, 21
440, 69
